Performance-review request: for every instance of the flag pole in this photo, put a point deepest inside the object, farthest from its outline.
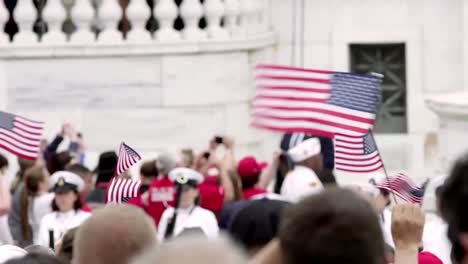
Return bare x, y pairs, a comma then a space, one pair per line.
383, 164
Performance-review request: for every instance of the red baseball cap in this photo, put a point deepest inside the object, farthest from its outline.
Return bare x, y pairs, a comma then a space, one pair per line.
249, 166
428, 258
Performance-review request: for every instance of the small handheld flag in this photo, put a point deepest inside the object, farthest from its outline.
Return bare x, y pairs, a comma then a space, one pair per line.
122, 190
403, 187
20, 136
127, 158
317, 102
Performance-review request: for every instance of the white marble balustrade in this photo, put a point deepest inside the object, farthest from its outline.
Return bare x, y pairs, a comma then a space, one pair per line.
232, 22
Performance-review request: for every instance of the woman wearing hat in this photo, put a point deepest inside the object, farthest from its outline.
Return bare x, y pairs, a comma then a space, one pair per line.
66, 208
187, 217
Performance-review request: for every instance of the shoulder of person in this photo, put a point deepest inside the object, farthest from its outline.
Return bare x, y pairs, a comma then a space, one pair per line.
168, 212
204, 212
82, 214
48, 218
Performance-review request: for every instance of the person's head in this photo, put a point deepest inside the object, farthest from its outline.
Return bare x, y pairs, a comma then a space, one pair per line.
433, 191
148, 171
59, 161
85, 174
113, 234
38, 249
35, 182
194, 250
308, 154
65, 251
8, 252
165, 163
382, 200
3, 164
454, 208
23, 165
257, 223
66, 186
187, 158
35, 258
106, 165
187, 181
249, 171
334, 226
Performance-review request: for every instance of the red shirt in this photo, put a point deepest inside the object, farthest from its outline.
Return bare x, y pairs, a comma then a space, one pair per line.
249, 192
162, 194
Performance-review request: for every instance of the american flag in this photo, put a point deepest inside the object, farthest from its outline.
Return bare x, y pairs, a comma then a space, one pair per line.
121, 190
20, 136
315, 102
357, 154
404, 187
127, 158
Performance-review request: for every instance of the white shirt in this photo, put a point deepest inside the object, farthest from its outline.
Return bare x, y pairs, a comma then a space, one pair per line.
385, 220
193, 217
435, 240
60, 223
40, 206
299, 183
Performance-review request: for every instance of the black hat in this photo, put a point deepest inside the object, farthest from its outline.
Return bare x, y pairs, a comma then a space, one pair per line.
257, 222
106, 166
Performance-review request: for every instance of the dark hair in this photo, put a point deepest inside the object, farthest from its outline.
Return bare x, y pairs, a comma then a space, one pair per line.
326, 176
3, 162
335, 226
250, 181
66, 249
58, 161
454, 204
386, 194
35, 258
78, 169
32, 178
77, 205
149, 170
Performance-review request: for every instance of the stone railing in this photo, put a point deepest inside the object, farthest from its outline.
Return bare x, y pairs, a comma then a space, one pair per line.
97, 27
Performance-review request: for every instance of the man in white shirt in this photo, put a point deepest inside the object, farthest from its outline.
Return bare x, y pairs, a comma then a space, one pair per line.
303, 180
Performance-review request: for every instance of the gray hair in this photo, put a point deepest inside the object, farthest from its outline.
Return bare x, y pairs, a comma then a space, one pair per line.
165, 162
195, 250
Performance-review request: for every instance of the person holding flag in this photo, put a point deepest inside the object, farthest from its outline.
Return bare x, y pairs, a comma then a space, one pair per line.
187, 216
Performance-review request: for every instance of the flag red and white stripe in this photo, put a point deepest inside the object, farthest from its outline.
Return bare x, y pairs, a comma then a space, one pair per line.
357, 154
314, 102
20, 136
403, 187
127, 158
121, 190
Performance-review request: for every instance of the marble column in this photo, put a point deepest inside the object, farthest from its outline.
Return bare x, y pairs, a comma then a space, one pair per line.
452, 111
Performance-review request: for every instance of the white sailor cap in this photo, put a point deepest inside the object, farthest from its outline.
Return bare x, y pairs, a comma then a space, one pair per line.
64, 181
185, 176
8, 252
305, 150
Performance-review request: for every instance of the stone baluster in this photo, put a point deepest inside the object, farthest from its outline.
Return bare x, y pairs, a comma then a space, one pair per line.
25, 13
54, 14
166, 13
214, 11
82, 14
137, 12
247, 16
110, 14
191, 11
257, 15
3, 19
96, 23
265, 15
232, 17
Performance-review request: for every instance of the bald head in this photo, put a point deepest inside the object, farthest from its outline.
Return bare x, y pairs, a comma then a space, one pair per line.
194, 250
113, 234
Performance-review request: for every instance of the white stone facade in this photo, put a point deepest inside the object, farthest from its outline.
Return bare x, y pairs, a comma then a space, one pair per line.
161, 95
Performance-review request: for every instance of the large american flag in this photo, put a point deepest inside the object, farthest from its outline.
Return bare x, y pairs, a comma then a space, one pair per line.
20, 136
127, 158
315, 102
121, 190
357, 154
404, 187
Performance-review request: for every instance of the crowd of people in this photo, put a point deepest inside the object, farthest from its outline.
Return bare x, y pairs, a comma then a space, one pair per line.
202, 207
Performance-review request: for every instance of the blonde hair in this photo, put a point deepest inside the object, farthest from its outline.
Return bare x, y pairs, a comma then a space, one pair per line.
113, 234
